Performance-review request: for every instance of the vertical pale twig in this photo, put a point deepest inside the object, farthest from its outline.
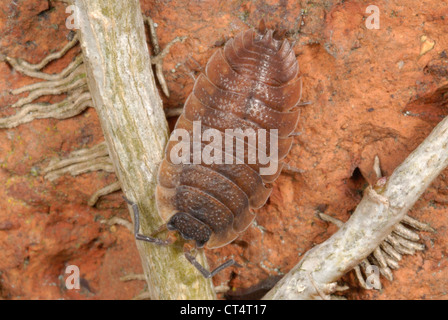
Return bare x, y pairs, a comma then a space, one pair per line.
131, 115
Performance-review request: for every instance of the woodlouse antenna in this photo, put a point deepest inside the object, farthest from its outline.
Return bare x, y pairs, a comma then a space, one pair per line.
139, 236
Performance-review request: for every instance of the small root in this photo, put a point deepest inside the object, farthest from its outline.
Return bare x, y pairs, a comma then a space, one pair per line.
18, 65
335, 287
393, 240
104, 164
143, 296
376, 167
390, 251
377, 253
122, 222
417, 224
100, 150
67, 108
81, 161
289, 169
406, 233
78, 83
320, 292
71, 82
328, 218
60, 83
50, 57
133, 276
157, 59
414, 246
173, 112
222, 288
113, 187
392, 263
360, 277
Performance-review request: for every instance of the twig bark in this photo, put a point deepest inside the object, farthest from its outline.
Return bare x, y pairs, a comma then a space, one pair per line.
131, 115
377, 214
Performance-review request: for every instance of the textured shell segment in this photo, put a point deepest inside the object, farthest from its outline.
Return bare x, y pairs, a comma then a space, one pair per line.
252, 83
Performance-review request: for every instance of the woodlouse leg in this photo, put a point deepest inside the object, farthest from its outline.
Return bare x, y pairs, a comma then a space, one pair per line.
207, 274
140, 236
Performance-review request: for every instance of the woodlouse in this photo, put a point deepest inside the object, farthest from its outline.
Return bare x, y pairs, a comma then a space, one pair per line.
253, 83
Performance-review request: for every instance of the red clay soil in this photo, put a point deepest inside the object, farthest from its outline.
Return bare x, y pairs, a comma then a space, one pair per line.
373, 92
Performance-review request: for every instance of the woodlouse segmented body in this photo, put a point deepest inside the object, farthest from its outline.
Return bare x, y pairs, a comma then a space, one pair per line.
253, 83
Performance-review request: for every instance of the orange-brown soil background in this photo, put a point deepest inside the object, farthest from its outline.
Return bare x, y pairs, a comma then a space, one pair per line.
372, 92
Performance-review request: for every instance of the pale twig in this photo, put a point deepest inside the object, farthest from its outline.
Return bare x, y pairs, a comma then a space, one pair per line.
372, 222
125, 97
386, 256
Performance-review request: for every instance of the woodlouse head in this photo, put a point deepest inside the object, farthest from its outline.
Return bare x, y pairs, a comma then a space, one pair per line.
190, 228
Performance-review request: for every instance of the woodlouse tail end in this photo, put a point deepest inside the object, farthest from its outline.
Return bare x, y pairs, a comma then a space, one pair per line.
279, 34
262, 26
